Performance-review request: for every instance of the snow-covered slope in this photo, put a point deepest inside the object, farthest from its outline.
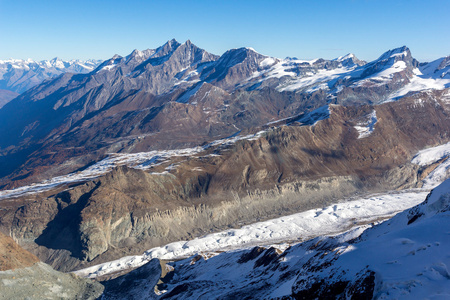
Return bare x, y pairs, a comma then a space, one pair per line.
332, 75
395, 69
405, 257
292, 74
433, 75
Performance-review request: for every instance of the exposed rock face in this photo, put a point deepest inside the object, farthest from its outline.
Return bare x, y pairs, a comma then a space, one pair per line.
138, 284
6, 96
22, 276
289, 169
234, 67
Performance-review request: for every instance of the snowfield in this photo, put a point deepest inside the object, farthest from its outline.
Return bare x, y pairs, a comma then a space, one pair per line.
429, 76
366, 128
430, 155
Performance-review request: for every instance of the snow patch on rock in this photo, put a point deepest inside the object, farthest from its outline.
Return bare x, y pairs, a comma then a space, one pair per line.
366, 127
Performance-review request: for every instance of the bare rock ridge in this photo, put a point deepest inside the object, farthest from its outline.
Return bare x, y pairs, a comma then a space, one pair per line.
288, 169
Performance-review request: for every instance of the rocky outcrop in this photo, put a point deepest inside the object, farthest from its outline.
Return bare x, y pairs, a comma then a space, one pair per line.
361, 287
22, 276
40, 281
138, 284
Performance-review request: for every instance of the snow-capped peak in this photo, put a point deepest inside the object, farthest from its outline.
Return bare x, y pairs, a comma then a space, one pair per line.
40, 70
399, 53
137, 53
251, 49
345, 57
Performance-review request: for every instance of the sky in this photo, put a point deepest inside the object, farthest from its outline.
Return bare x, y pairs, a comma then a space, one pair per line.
304, 29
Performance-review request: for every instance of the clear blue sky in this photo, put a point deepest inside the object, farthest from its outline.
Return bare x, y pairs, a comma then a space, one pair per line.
305, 29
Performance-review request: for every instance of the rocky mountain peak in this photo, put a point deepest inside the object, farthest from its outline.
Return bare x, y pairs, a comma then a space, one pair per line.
234, 66
350, 60
193, 51
167, 48
136, 52
138, 56
55, 59
401, 53
397, 60
236, 56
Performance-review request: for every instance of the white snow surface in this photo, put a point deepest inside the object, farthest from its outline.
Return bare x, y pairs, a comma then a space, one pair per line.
411, 258
108, 67
314, 79
184, 98
437, 175
430, 155
433, 75
408, 253
345, 57
427, 77
83, 66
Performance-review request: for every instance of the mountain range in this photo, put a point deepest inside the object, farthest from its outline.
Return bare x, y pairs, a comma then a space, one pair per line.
174, 143
142, 101
18, 75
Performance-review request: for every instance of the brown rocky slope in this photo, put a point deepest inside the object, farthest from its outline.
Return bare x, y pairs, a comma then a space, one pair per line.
12, 256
